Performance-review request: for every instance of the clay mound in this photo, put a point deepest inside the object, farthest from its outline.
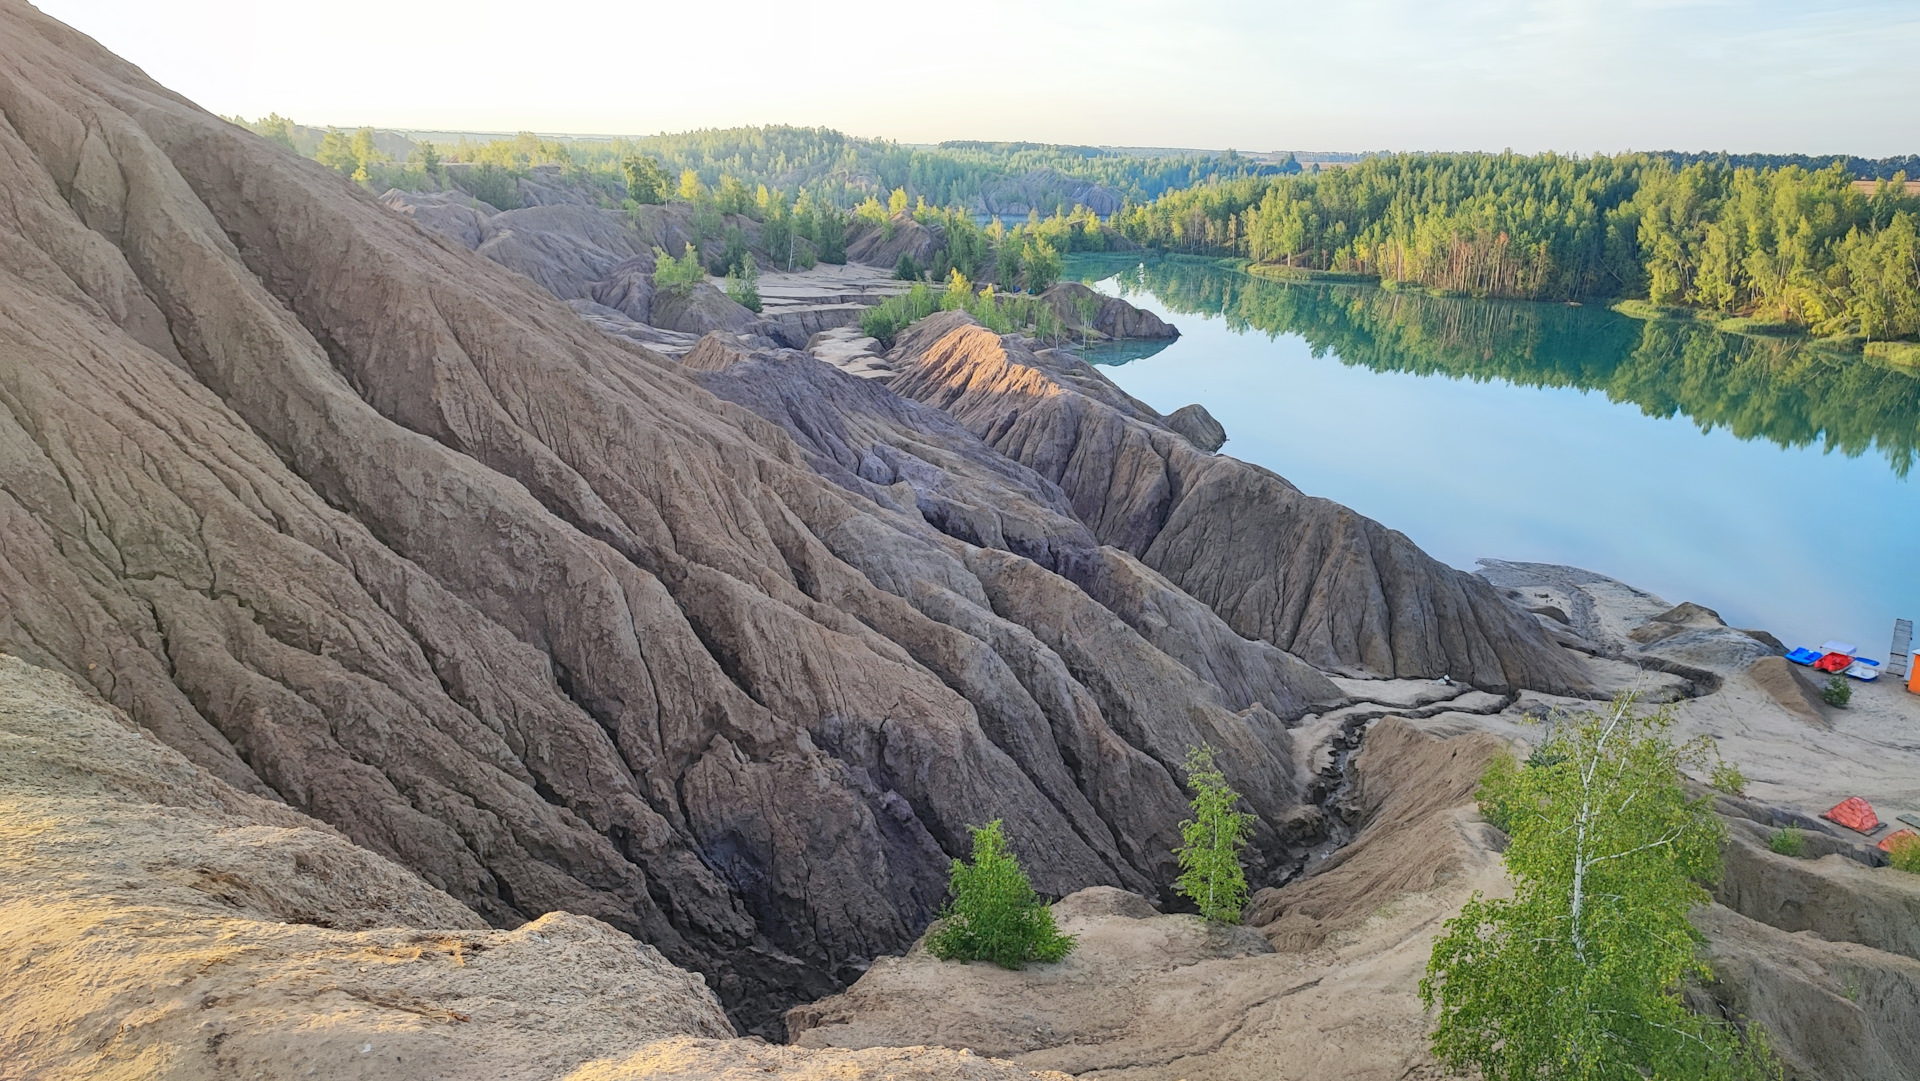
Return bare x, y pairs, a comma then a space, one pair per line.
1199, 426
1082, 309
155, 922
1835, 1011
1336, 589
1413, 795
700, 309
1784, 684
870, 244
1835, 896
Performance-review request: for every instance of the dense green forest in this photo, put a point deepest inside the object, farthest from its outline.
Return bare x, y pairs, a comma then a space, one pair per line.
1792, 393
1783, 246
719, 174
1854, 166
1786, 246
837, 169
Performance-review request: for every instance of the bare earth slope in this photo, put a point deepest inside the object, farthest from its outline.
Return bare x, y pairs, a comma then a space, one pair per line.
1312, 577
154, 922
1820, 951
157, 923
357, 519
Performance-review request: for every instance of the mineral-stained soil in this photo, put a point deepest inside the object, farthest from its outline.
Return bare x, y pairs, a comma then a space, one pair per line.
361, 520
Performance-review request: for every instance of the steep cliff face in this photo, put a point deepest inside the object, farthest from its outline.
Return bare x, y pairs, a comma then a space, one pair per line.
1308, 575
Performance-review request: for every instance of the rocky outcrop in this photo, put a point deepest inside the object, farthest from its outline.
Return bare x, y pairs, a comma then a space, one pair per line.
1198, 425
699, 309
1084, 311
1306, 574
883, 245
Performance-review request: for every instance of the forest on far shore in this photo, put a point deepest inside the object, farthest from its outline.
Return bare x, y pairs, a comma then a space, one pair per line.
1781, 242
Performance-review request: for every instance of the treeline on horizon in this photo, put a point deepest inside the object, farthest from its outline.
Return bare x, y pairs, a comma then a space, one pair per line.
1792, 393
722, 176
834, 168
1789, 246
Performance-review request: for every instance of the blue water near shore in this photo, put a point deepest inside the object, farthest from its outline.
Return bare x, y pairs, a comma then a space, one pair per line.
1538, 432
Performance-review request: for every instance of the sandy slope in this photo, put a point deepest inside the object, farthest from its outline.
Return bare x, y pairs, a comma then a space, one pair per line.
157, 923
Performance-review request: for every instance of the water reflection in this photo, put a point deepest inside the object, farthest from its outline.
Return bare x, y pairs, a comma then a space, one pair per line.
1788, 392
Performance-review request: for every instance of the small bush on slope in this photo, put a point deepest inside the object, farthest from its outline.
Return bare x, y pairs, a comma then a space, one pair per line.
1727, 778
1836, 692
743, 286
1905, 854
995, 915
677, 276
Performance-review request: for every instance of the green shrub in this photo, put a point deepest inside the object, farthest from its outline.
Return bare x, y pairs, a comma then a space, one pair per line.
895, 314
1000, 314
677, 276
1210, 872
734, 254
1496, 792
1836, 692
995, 915
1905, 854
492, 185
1727, 778
744, 286
906, 269
1788, 842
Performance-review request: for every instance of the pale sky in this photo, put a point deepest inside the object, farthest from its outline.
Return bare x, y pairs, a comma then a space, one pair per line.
1571, 75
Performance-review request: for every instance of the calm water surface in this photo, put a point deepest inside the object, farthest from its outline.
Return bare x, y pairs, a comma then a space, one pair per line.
1764, 479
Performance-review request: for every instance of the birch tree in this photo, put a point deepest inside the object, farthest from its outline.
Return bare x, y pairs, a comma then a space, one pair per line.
1580, 974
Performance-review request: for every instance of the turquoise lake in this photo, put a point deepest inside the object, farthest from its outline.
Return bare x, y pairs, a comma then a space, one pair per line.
1766, 479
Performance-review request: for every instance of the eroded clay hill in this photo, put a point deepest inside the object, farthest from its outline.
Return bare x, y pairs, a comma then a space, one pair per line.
360, 521
157, 923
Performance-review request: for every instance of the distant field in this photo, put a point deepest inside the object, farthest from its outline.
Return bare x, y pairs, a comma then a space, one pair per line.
1913, 186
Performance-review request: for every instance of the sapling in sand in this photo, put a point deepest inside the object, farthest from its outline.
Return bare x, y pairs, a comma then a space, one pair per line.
1210, 872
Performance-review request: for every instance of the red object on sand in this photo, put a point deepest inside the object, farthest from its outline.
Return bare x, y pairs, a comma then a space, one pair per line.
1833, 662
1893, 838
1855, 814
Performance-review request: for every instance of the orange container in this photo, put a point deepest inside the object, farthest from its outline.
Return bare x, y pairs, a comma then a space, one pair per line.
1913, 673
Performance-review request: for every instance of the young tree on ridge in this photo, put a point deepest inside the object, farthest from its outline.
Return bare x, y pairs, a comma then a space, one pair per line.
1579, 976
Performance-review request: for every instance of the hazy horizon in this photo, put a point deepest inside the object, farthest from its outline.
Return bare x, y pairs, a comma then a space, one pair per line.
1575, 76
